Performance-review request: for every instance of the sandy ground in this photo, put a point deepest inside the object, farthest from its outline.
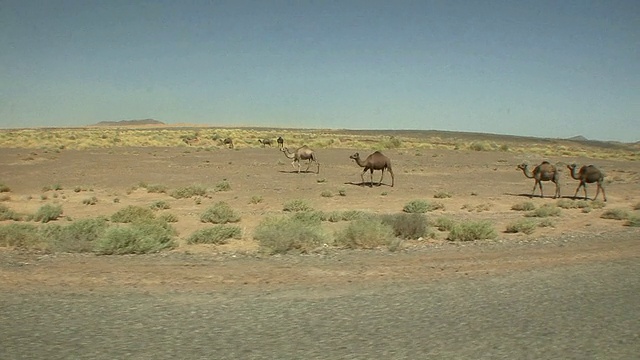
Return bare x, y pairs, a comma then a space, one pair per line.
483, 185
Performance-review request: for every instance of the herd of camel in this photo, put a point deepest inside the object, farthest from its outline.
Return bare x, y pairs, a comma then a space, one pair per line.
546, 171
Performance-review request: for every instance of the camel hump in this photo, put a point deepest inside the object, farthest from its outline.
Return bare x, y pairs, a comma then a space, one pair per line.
546, 162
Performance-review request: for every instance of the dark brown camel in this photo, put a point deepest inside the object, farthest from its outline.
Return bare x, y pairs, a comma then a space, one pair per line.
588, 175
302, 153
229, 142
543, 172
375, 161
266, 142
280, 142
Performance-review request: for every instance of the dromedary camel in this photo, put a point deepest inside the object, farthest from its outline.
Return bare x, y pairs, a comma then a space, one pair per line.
588, 175
375, 161
265, 142
302, 153
229, 142
543, 172
280, 142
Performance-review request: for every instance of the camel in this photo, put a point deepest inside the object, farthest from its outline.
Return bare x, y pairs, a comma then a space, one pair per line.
266, 142
229, 142
588, 175
280, 142
302, 153
375, 161
543, 172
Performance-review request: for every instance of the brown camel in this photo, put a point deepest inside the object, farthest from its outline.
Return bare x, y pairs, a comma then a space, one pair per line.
229, 142
588, 175
302, 153
543, 172
280, 142
375, 161
266, 142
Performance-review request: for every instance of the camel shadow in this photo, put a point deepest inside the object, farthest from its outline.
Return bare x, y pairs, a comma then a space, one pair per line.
375, 184
296, 171
537, 196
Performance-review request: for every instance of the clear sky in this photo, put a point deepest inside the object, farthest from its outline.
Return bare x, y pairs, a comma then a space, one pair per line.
547, 68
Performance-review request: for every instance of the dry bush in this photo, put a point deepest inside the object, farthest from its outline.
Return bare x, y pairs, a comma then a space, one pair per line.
188, 192
524, 206
48, 212
525, 226
407, 226
545, 211
219, 234
473, 230
615, 214
421, 206
132, 213
297, 205
220, 213
137, 238
365, 234
280, 235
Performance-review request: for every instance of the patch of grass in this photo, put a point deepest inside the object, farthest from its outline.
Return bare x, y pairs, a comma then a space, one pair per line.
4, 188
545, 211
525, 226
78, 237
296, 205
137, 238
223, 185
168, 217
219, 234
280, 235
334, 216
157, 189
326, 194
48, 212
473, 230
442, 195
407, 226
220, 213
575, 204
322, 180
90, 200
188, 192
312, 217
131, 214
160, 205
524, 206
444, 223
633, 221
342, 192
350, 215
615, 214
421, 206
546, 222
365, 234
636, 206
8, 214
22, 236
256, 199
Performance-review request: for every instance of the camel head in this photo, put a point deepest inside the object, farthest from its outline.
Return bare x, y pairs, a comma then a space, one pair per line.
355, 156
522, 166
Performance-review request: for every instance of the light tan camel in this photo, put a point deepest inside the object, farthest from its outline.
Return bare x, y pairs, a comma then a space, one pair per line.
265, 142
375, 161
302, 153
280, 142
229, 142
543, 172
588, 175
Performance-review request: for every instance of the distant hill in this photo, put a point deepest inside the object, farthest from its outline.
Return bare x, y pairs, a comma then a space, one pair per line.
578, 138
130, 122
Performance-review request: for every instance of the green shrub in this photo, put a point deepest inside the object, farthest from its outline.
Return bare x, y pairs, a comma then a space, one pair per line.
326, 193
334, 216
297, 205
365, 234
474, 230
349, 215
256, 199
22, 236
407, 226
312, 217
219, 234
546, 223
189, 191
574, 204
78, 237
444, 223
159, 205
342, 192
524, 206
167, 217
545, 211
633, 220
615, 214
137, 238
90, 201
421, 206
158, 189
223, 186
132, 214
47, 213
280, 235
525, 226
220, 213
4, 188
8, 214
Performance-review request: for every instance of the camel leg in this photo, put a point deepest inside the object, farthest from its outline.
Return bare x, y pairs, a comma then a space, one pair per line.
371, 177
392, 177
362, 176
584, 187
576, 194
381, 177
308, 164
557, 194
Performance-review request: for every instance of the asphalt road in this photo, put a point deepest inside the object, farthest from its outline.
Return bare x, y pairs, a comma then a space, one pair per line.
585, 311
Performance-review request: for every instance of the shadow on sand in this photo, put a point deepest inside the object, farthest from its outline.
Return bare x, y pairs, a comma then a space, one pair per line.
539, 196
366, 184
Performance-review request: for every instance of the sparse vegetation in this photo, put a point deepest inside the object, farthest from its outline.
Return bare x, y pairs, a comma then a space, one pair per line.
157, 189
4, 188
524, 206
223, 185
472, 230
280, 235
545, 211
365, 234
22, 236
312, 217
132, 214
8, 214
90, 200
77, 237
525, 226
444, 223
168, 217
256, 199
442, 195
326, 193
342, 192
220, 213
188, 192
421, 206
160, 205
297, 205
636, 206
137, 238
48, 212
407, 226
633, 221
615, 214
219, 234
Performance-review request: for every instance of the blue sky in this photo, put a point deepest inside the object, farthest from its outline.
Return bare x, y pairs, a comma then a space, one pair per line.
534, 68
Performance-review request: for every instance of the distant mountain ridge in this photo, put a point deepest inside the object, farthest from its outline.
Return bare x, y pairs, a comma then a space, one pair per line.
130, 122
